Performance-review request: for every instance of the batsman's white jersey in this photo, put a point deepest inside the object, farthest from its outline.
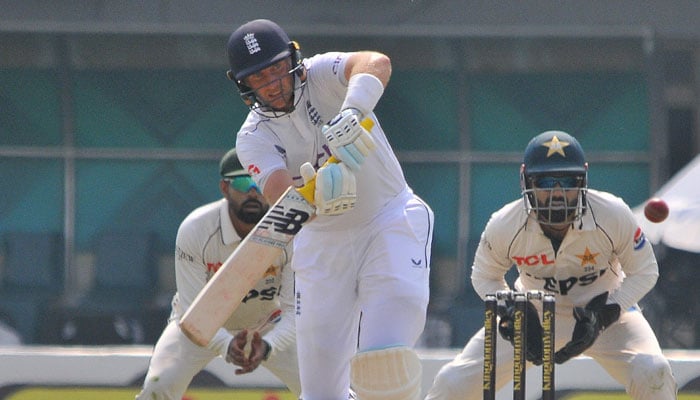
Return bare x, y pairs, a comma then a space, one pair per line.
204, 241
373, 259
604, 251
265, 145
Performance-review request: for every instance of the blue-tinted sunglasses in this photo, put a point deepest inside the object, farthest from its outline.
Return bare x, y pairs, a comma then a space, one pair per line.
243, 184
549, 182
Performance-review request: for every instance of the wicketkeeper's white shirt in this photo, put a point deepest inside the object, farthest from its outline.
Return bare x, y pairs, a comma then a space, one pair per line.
604, 251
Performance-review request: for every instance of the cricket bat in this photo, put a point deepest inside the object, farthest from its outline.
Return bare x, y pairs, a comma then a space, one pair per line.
242, 270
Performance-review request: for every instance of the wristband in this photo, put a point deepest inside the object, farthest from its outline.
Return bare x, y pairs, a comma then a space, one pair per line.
364, 92
268, 350
220, 342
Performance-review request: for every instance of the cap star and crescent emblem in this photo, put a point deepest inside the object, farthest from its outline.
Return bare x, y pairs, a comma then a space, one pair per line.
555, 146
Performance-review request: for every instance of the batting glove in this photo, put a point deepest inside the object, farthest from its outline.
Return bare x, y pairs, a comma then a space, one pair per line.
348, 140
336, 188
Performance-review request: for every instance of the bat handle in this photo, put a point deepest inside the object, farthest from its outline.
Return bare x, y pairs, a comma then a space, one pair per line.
307, 191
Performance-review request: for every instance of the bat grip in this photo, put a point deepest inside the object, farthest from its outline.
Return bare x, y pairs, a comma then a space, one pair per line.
307, 191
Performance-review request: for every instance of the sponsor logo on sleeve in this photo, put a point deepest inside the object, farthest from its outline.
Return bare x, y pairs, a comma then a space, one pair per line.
253, 170
336, 64
639, 239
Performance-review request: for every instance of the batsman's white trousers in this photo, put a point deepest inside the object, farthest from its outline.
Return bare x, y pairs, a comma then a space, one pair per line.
379, 270
627, 350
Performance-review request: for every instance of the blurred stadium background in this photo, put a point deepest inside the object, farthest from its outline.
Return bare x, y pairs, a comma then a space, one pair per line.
114, 116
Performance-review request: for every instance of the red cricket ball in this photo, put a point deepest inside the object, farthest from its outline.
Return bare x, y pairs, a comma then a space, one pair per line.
656, 210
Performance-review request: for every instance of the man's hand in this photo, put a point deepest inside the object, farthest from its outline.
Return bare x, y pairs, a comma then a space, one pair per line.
590, 321
348, 140
534, 329
259, 350
336, 187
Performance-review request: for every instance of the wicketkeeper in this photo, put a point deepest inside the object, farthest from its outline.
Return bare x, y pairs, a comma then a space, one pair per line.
583, 245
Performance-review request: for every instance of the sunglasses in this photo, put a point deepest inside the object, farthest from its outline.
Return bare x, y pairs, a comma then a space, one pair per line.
243, 184
549, 182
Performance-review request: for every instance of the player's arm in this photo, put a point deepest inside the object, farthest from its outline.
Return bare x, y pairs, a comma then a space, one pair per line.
491, 263
190, 269
191, 277
369, 62
277, 184
283, 336
637, 259
367, 73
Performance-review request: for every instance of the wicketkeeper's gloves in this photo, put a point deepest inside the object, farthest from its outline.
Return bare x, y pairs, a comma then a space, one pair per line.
590, 322
534, 329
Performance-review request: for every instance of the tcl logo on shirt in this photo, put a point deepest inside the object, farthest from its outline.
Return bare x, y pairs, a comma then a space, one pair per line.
530, 261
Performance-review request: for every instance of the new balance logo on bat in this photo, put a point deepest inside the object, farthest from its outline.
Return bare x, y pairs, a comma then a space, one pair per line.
287, 222
283, 221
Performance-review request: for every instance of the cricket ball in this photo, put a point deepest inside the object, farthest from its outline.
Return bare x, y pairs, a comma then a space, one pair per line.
656, 210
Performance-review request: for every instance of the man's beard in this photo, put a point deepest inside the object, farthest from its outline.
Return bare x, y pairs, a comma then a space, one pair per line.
558, 216
251, 215
560, 213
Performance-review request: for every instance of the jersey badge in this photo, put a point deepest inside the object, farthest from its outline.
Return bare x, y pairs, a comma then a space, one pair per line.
271, 271
314, 116
639, 239
587, 257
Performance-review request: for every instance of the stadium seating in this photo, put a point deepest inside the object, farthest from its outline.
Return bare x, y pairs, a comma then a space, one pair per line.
32, 279
113, 310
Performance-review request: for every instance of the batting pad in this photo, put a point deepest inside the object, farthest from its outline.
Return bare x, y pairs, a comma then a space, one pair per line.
387, 374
